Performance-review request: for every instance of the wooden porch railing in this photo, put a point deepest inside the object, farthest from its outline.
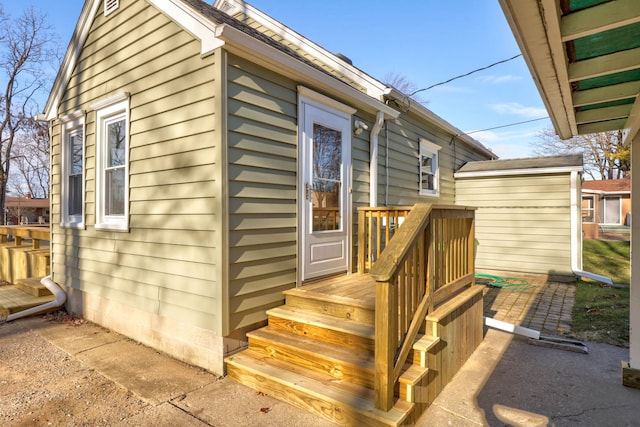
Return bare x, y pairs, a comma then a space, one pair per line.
429, 258
35, 233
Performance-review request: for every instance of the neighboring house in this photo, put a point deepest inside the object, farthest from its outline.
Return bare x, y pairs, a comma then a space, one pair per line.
528, 213
26, 210
605, 203
187, 192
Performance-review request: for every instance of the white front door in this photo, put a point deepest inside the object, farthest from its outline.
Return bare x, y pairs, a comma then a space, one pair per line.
324, 171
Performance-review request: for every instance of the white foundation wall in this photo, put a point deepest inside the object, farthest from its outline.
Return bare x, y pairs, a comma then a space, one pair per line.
188, 343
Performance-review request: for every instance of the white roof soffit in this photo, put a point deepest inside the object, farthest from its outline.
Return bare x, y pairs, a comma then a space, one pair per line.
372, 85
530, 171
213, 36
544, 56
78, 38
541, 30
260, 53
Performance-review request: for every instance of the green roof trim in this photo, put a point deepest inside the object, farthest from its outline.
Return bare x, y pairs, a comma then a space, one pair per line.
610, 79
625, 101
575, 5
606, 42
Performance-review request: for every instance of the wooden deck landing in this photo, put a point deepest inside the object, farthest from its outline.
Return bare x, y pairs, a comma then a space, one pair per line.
359, 289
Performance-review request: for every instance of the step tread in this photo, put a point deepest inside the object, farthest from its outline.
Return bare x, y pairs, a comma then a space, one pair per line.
426, 342
295, 385
413, 375
33, 286
353, 327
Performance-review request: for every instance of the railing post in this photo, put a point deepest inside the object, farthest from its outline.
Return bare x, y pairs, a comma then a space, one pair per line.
386, 343
361, 242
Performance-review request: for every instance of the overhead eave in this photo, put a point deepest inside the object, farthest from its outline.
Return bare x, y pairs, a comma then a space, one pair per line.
245, 46
578, 57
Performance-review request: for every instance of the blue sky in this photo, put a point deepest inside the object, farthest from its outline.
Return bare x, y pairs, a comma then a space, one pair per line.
427, 41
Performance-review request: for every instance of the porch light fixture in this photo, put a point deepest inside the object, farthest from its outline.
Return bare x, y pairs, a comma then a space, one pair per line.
360, 126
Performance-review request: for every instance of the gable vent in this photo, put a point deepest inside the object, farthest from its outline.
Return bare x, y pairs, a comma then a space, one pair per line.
110, 6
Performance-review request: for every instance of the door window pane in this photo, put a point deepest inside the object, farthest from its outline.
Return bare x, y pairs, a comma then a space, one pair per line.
327, 185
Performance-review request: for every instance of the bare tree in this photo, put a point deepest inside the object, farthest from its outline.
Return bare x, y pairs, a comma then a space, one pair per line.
30, 161
605, 156
27, 49
403, 85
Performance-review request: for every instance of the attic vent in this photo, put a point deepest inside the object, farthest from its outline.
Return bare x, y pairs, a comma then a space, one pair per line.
227, 8
110, 6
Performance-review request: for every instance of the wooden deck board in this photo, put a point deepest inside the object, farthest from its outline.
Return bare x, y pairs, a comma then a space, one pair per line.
13, 300
356, 287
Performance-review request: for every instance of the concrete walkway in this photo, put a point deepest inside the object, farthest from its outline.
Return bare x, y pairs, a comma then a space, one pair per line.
508, 382
505, 382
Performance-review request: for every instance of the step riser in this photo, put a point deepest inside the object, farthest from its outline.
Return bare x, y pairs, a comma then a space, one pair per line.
339, 413
321, 334
316, 362
336, 309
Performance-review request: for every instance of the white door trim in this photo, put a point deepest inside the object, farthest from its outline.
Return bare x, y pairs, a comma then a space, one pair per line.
308, 98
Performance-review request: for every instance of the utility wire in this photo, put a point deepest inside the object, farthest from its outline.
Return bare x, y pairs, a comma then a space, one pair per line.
465, 75
505, 126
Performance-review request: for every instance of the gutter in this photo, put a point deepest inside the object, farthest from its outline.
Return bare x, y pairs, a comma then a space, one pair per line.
55, 289
576, 234
373, 160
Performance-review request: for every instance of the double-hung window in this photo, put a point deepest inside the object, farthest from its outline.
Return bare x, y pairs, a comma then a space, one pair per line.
72, 183
112, 163
428, 169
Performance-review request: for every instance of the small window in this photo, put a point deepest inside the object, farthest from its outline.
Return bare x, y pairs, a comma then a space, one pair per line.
110, 6
429, 173
72, 185
112, 157
588, 210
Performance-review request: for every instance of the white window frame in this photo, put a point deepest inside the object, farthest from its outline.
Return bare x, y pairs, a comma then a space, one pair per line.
108, 111
429, 149
71, 125
603, 209
589, 210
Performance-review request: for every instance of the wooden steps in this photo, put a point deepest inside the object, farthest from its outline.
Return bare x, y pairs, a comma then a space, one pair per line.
27, 293
338, 401
317, 353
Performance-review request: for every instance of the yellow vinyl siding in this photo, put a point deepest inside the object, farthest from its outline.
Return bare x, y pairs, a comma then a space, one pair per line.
165, 264
262, 174
399, 185
522, 222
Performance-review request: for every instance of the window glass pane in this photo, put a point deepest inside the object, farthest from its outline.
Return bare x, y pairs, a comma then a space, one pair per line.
427, 173
75, 151
116, 149
74, 201
74, 179
327, 185
114, 192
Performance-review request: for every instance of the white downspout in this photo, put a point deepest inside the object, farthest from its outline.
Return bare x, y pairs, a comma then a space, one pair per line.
373, 160
55, 289
576, 233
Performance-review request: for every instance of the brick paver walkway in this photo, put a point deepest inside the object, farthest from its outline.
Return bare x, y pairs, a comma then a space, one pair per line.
531, 302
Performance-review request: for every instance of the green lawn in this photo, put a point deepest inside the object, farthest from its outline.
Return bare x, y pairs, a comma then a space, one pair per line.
601, 313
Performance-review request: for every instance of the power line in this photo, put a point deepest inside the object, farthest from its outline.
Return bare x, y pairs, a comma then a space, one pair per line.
465, 75
505, 126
